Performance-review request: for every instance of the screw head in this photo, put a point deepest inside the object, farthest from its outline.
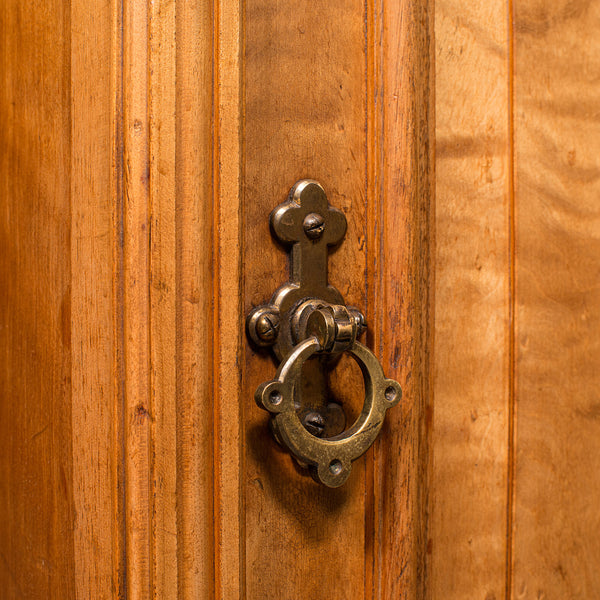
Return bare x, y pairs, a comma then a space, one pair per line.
267, 327
314, 423
314, 225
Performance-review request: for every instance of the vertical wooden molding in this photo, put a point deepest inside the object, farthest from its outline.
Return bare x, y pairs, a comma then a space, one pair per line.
228, 296
194, 216
512, 280
95, 61
374, 129
118, 291
181, 276
136, 298
401, 243
163, 332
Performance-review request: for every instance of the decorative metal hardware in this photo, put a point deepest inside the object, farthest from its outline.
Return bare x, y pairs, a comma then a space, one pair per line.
307, 319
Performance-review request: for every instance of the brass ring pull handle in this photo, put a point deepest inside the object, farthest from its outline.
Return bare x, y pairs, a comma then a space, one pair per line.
308, 326
330, 459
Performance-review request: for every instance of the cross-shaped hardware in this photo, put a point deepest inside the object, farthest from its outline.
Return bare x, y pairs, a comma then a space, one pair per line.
307, 222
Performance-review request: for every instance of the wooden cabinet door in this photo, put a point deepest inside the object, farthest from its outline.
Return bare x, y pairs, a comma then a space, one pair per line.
143, 146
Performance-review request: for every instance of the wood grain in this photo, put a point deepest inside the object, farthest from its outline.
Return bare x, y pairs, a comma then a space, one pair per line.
400, 274
472, 327
163, 295
288, 83
229, 254
194, 222
169, 298
97, 457
144, 145
304, 109
552, 543
36, 460
60, 535
136, 304
556, 547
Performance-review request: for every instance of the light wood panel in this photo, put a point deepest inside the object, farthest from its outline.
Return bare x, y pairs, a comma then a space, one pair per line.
556, 547
472, 328
541, 250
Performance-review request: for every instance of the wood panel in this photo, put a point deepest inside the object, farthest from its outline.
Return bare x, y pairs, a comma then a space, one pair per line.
36, 300
194, 226
163, 294
136, 304
59, 460
305, 112
95, 399
168, 271
543, 250
472, 328
146, 144
304, 108
294, 92
229, 256
556, 547
193, 214
400, 279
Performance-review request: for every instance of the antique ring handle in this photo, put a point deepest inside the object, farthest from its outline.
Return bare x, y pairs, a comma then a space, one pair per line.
329, 458
307, 321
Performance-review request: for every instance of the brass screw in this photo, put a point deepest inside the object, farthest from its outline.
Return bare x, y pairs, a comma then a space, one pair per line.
314, 423
267, 327
314, 225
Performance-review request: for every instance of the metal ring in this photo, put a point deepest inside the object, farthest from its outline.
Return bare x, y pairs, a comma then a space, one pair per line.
330, 458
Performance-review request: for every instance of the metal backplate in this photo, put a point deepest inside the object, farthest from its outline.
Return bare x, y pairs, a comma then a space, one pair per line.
308, 326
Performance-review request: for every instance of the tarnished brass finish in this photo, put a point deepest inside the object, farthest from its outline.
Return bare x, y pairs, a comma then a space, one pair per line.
330, 459
307, 320
308, 258
263, 325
